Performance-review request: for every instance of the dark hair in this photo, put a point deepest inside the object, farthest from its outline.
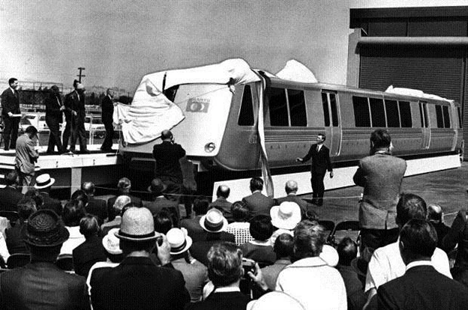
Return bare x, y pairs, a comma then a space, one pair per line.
434, 213
80, 195
31, 130
261, 227
162, 222
256, 184
380, 139
200, 206
34, 194
89, 225
224, 263
12, 80
284, 245
324, 137
88, 188
72, 213
26, 206
11, 178
410, 206
240, 212
419, 239
308, 239
223, 191
347, 251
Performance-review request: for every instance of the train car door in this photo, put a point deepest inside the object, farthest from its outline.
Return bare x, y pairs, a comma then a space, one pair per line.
425, 125
331, 114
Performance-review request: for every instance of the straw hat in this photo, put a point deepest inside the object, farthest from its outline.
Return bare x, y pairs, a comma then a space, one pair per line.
286, 216
45, 229
157, 187
111, 243
137, 225
44, 181
213, 221
275, 300
178, 240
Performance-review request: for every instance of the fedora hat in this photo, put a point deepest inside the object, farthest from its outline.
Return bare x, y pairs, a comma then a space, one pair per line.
45, 229
137, 225
157, 186
286, 216
111, 243
178, 240
213, 221
44, 181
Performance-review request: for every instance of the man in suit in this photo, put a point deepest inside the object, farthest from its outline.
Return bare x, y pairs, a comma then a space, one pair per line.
421, 287
44, 184
41, 284
97, 207
15, 235
75, 102
221, 203
124, 186
54, 108
381, 175
160, 202
257, 202
10, 107
307, 209
26, 157
137, 283
107, 108
320, 156
9, 195
192, 225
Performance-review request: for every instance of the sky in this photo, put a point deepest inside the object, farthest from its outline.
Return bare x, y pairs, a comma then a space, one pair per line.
119, 41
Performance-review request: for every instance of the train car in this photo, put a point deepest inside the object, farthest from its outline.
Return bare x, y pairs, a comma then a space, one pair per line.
220, 129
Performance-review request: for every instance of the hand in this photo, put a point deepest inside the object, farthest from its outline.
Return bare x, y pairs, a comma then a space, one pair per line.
299, 160
74, 113
164, 249
331, 174
258, 277
10, 114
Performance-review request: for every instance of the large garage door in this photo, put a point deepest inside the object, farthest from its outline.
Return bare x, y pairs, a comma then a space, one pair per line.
434, 70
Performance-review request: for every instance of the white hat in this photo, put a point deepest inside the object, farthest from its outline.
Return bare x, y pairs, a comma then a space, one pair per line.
275, 300
44, 181
137, 225
213, 221
178, 240
286, 216
111, 243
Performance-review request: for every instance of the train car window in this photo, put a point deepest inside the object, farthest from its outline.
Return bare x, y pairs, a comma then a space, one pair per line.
278, 107
334, 109
246, 115
377, 112
445, 110
440, 120
326, 112
297, 107
405, 114
423, 114
391, 108
361, 112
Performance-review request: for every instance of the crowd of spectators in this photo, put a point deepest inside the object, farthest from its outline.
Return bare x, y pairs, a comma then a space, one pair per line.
256, 253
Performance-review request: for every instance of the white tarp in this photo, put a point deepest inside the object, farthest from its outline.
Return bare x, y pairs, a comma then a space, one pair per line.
296, 71
413, 92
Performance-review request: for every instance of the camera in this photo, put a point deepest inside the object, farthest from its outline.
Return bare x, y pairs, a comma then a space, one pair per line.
248, 265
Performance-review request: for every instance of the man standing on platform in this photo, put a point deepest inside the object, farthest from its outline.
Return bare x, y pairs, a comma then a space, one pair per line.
107, 107
10, 111
26, 157
320, 156
75, 101
54, 108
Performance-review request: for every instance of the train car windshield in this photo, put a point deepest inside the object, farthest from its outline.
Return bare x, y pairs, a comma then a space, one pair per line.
206, 109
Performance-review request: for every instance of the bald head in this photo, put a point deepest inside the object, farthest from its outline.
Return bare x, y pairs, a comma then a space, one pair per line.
88, 188
290, 187
223, 191
166, 135
434, 213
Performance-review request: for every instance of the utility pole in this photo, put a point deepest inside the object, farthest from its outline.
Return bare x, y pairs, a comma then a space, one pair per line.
80, 75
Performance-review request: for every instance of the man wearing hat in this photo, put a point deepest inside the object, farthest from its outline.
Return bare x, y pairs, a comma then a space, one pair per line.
75, 104
41, 284
26, 157
44, 183
137, 283
159, 202
214, 224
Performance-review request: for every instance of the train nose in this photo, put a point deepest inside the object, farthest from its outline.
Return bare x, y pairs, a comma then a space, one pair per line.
210, 147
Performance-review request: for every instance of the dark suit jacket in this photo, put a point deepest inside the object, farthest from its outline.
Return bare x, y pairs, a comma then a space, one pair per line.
354, 288
320, 160
137, 283
258, 204
111, 201
41, 285
167, 156
223, 205
87, 254
107, 108
200, 248
51, 203
223, 300
304, 205
53, 112
9, 197
422, 287
15, 239
194, 230
10, 102
161, 202
97, 207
